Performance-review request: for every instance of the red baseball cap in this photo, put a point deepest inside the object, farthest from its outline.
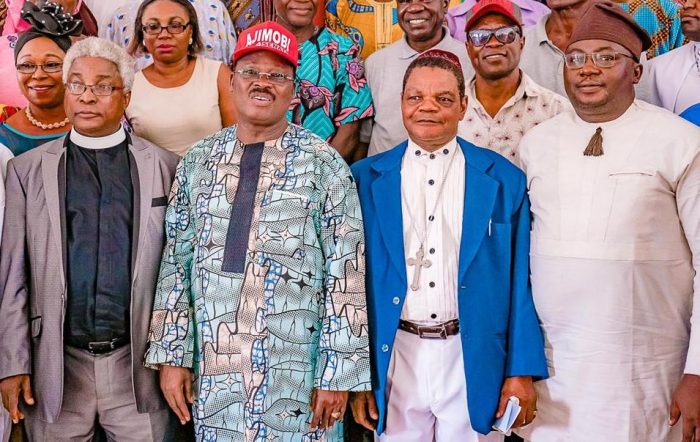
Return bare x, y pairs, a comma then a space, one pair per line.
268, 36
504, 7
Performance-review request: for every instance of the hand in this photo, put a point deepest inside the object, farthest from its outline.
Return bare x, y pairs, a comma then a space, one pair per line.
522, 388
10, 389
686, 402
176, 384
327, 408
364, 409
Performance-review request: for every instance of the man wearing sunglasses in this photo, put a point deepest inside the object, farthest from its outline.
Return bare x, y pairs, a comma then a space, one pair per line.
82, 241
615, 249
503, 102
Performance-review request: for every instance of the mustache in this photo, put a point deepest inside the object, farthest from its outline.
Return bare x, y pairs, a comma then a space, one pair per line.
264, 90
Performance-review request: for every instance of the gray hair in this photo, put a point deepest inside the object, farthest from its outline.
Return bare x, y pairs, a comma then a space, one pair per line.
101, 48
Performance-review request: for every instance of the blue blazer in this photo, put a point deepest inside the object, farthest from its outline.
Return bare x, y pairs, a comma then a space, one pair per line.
501, 335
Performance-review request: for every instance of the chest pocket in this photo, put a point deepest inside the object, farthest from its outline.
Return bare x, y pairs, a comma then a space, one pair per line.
638, 194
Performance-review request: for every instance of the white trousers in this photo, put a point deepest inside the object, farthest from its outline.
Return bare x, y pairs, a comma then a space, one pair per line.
427, 393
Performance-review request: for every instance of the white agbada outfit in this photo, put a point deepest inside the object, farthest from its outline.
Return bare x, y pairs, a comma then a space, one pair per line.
613, 279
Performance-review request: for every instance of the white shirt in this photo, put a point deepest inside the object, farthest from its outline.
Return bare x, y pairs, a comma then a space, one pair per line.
422, 173
675, 78
613, 279
689, 93
529, 106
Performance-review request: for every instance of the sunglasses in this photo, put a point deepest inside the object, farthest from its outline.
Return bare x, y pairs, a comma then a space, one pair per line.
506, 35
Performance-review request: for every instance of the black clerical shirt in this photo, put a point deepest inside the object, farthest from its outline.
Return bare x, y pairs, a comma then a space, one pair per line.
99, 214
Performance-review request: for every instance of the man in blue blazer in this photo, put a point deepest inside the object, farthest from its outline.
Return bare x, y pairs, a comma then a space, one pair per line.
447, 228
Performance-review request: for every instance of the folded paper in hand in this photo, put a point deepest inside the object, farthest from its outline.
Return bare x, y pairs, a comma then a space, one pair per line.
506, 421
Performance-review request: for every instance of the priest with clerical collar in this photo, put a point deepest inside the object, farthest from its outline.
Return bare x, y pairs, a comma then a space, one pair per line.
615, 192
81, 244
454, 331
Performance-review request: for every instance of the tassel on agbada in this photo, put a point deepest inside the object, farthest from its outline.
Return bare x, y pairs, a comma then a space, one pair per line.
595, 146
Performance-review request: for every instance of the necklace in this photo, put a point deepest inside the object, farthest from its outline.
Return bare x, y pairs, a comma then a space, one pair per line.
419, 262
41, 125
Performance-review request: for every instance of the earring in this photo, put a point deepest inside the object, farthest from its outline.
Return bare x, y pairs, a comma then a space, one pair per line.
190, 40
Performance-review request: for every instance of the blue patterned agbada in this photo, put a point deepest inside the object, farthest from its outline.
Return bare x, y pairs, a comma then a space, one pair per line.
295, 319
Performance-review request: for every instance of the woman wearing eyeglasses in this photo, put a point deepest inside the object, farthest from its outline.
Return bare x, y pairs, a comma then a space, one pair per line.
10, 95
39, 54
181, 97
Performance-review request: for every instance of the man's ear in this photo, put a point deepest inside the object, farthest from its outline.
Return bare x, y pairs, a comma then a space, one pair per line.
638, 72
127, 99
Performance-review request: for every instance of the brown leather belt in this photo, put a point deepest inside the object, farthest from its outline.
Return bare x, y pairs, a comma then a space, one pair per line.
438, 331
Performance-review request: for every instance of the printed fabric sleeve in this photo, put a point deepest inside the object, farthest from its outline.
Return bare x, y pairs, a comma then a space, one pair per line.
352, 87
171, 337
343, 354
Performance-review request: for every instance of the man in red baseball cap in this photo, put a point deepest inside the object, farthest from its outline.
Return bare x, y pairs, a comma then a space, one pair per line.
503, 102
265, 243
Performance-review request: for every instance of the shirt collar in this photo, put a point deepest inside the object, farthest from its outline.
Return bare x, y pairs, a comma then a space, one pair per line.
526, 88
105, 142
540, 30
696, 53
415, 153
408, 52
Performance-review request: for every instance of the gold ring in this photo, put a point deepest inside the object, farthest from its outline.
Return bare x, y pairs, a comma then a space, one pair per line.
336, 414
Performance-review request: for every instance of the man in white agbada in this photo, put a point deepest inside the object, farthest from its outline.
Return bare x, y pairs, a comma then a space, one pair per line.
615, 249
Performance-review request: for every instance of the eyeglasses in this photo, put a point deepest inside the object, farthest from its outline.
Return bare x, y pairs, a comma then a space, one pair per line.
100, 90
506, 35
604, 59
172, 28
30, 68
272, 77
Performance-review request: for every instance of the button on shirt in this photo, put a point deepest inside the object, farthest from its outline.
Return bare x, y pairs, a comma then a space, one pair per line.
529, 106
436, 299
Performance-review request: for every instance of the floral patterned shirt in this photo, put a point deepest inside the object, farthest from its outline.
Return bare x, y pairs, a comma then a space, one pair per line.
529, 106
331, 86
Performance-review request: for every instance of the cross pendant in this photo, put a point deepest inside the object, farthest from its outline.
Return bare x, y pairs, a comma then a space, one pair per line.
418, 262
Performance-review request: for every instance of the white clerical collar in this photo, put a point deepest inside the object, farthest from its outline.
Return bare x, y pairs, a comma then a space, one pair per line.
415, 152
98, 142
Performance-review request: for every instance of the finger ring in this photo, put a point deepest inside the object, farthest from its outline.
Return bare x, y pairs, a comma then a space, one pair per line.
534, 412
336, 414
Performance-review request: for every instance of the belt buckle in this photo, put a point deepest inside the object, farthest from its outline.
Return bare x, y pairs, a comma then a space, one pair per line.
100, 347
425, 334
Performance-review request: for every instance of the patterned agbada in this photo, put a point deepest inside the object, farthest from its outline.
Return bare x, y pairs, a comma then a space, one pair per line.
294, 319
331, 86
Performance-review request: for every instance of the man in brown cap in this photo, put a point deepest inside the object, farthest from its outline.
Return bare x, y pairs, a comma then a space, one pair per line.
615, 249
